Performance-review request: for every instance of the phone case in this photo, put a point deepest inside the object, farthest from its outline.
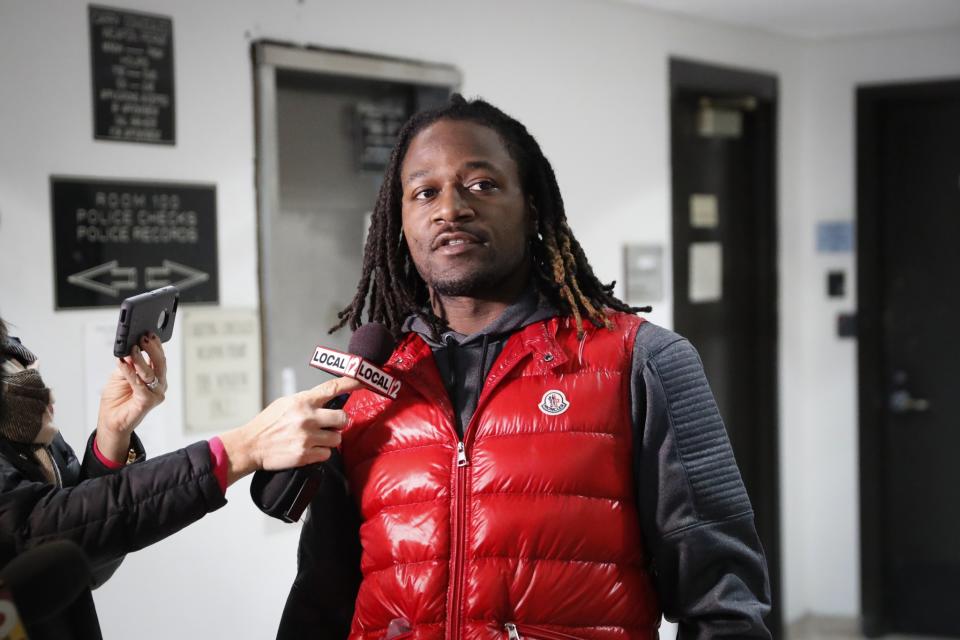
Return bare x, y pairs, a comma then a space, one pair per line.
151, 311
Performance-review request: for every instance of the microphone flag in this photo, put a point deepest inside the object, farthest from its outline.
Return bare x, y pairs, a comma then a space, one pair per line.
351, 366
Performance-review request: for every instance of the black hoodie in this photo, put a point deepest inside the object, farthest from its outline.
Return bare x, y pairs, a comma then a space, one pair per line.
465, 361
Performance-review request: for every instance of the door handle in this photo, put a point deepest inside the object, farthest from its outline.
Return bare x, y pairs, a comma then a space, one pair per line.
902, 402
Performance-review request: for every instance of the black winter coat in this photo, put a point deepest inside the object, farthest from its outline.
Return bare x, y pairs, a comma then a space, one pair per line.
107, 513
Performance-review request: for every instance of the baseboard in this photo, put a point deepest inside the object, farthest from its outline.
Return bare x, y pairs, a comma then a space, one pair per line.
820, 627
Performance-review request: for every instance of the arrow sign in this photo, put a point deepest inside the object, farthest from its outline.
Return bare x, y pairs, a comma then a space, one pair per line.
160, 276
86, 277
118, 238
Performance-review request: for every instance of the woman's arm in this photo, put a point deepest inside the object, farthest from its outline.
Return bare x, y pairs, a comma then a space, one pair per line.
142, 503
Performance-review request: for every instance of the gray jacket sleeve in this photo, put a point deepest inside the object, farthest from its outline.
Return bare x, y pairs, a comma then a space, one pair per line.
708, 564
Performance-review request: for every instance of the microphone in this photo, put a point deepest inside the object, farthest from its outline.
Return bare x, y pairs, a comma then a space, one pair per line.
370, 347
286, 494
41, 583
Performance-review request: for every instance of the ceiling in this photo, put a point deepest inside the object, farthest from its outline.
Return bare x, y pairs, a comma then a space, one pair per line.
818, 18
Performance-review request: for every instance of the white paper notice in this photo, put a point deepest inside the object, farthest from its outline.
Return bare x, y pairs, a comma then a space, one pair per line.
704, 213
221, 368
706, 272
643, 273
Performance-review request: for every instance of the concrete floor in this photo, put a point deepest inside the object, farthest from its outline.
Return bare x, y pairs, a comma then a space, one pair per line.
826, 628
815, 628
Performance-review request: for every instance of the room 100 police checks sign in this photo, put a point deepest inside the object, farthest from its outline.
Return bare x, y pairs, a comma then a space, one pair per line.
114, 239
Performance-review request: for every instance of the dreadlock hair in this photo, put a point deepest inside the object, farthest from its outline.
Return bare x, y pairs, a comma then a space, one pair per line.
390, 279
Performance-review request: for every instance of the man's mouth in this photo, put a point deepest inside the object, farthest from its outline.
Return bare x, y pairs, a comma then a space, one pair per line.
455, 239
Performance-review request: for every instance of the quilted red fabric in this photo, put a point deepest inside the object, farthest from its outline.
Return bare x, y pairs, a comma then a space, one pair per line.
530, 521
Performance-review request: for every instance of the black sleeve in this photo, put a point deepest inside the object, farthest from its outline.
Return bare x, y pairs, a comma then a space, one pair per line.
709, 567
91, 467
112, 514
321, 600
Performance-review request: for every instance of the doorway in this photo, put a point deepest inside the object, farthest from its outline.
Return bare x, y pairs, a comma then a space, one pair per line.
326, 124
908, 263
723, 159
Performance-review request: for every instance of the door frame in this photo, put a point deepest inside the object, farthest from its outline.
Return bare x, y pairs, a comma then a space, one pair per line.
870, 101
692, 75
272, 56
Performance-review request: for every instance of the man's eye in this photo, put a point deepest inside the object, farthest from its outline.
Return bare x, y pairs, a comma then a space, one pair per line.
482, 185
424, 194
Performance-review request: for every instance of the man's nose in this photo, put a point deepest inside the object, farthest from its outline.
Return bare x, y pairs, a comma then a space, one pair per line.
454, 206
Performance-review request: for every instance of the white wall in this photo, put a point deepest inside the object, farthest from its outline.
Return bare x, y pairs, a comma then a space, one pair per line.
590, 80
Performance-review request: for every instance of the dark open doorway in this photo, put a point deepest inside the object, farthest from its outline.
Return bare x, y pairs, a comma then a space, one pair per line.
723, 157
908, 263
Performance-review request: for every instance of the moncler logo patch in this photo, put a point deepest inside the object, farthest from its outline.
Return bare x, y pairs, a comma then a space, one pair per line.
553, 403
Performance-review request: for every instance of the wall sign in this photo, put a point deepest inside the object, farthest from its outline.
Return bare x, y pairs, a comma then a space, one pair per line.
377, 125
131, 57
706, 272
643, 273
704, 212
221, 355
114, 239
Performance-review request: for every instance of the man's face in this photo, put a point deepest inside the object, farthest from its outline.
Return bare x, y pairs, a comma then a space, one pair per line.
465, 217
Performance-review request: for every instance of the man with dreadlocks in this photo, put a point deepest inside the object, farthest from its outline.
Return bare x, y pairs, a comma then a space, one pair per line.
554, 466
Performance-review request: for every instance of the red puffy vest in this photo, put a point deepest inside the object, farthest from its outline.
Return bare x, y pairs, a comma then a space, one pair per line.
528, 527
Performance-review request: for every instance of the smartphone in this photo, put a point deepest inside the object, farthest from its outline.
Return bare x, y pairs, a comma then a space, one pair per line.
153, 311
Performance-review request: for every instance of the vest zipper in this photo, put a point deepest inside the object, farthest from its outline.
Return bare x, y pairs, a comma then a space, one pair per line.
459, 508
532, 632
454, 608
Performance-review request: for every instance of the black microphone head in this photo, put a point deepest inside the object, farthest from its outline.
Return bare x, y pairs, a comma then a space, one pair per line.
373, 342
47, 579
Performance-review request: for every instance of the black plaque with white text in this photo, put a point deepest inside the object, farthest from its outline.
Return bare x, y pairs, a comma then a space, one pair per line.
114, 239
131, 56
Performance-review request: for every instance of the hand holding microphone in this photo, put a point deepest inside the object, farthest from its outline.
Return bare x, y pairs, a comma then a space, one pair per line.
286, 494
291, 432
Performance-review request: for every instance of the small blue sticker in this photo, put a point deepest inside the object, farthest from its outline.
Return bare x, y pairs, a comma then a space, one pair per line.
834, 237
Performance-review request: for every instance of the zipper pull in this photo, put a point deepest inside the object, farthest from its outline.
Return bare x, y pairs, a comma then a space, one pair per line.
512, 633
461, 456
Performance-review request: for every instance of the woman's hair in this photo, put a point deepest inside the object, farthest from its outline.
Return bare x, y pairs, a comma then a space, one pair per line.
390, 281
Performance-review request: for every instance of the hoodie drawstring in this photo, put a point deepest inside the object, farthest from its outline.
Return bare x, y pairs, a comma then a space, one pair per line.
451, 344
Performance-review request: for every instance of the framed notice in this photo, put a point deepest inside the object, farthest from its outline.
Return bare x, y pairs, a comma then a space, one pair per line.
706, 272
377, 126
221, 357
643, 273
116, 238
131, 57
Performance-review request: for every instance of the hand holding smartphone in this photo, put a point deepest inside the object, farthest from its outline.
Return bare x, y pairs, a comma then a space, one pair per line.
153, 311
